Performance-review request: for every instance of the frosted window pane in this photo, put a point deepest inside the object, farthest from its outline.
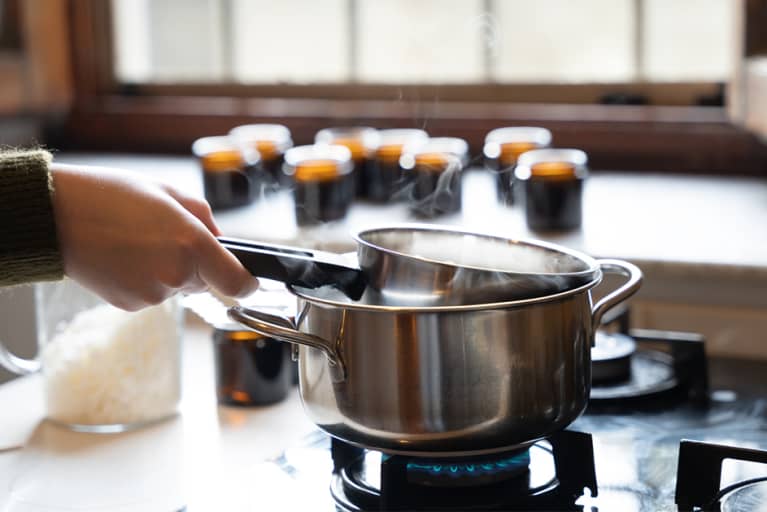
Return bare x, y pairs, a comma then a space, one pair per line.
563, 40
290, 40
186, 40
689, 39
432, 41
132, 50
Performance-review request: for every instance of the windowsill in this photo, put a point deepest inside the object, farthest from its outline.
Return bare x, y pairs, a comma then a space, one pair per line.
697, 140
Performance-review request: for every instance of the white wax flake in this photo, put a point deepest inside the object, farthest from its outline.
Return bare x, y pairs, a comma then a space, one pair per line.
110, 367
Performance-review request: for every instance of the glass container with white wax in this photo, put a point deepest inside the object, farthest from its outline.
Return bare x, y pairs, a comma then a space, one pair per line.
103, 369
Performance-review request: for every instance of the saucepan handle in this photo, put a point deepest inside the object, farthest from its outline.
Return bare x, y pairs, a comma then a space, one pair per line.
615, 297
283, 329
295, 266
16, 364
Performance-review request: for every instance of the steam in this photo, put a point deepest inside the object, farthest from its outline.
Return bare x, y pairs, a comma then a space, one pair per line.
488, 29
444, 196
467, 250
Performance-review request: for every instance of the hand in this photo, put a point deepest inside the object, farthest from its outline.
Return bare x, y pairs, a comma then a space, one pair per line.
136, 242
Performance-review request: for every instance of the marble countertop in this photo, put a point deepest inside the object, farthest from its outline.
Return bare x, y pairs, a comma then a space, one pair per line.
206, 458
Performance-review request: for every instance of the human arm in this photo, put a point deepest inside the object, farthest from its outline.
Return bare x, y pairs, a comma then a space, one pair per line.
28, 245
136, 242
129, 239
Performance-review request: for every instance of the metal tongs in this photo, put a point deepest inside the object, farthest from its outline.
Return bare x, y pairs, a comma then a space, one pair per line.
299, 267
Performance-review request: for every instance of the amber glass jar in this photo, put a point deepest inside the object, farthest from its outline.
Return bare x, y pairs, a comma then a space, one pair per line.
270, 141
251, 369
503, 146
435, 168
385, 177
552, 181
323, 182
362, 142
229, 178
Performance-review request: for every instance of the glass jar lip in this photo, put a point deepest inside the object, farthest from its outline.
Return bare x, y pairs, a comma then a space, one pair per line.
533, 134
392, 136
367, 135
454, 146
393, 142
295, 155
498, 138
212, 144
528, 159
249, 133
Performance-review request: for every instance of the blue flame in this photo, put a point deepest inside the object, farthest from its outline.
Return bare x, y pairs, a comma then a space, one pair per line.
475, 468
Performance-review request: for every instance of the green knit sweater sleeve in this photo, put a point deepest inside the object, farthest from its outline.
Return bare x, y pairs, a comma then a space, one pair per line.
28, 245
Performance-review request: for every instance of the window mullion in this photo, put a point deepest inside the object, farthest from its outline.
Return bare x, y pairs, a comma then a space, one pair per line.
353, 43
488, 35
639, 34
226, 28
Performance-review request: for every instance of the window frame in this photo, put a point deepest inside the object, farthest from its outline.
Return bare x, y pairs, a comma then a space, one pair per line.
36, 78
167, 117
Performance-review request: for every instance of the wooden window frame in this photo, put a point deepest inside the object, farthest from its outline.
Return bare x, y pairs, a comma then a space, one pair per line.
167, 118
36, 79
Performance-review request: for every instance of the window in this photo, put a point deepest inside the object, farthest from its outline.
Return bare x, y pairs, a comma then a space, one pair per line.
424, 41
638, 84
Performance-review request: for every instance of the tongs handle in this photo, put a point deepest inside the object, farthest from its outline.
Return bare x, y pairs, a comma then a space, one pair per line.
295, 266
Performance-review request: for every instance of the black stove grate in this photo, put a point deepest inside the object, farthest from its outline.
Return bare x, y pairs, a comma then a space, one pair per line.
699, 473
668, 368
569, 454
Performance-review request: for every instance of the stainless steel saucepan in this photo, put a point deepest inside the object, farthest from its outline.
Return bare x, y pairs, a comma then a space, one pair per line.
415, 265
420, 265
447, 379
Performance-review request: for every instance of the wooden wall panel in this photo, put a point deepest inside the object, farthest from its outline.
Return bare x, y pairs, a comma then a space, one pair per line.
45, 27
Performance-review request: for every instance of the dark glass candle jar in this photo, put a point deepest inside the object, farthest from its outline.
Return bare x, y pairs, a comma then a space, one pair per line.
503, 146
435, 168
323, 182
270, 141
385, 177
362, 142
552, 181
228, 176
251, 369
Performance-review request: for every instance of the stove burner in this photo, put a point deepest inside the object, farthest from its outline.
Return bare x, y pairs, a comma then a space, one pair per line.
542, 477
650, 373
750, 497
646, 367
611, 357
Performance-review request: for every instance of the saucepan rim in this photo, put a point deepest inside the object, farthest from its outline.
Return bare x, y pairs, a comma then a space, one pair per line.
307, 294
588, 261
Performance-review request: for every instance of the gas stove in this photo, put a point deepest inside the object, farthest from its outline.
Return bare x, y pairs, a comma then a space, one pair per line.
653, 438
544, 476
